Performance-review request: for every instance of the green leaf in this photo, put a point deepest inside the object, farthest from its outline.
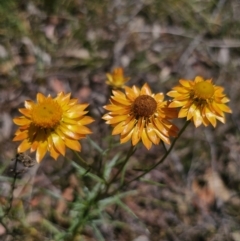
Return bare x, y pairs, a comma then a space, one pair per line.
50, 226
114, 199
126, 208
109, 165
87, 173
95, 145
152, 182
97, 232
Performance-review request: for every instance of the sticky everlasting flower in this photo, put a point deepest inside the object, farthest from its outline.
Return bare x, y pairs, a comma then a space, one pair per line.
116, 79
138, 115
200, 100
51, 125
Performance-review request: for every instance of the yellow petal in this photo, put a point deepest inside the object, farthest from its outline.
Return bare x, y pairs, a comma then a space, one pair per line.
25, 145
210, 116
159, 97
137, 131
123, 111
50, 142
151, 134
185, 83
69, 120
205, 121
224, 108
224, 100
78, 108
198, 79
136, 135
125, 138
109, 76
41, 151
197, 118
79, 129
34, 146
72, 115
116, 119
181, 90
25, 112
169, 113
40, 97
73, 144
58, 143
121, 100
146, 142
182, 97
53, 153
218, 91
215, 108
107, 117
162, 137
172, 93
160, 126
73, 101
29, 104
128, 125
21, 121
183, 112
63, 99
145, 90
136, 90
39, 137
86, 120
175, 104
191, 111
131, 94
118, 128
68, 133
21, 136
221, 118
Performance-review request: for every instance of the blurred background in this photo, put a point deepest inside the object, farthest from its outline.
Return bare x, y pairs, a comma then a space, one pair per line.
70, 45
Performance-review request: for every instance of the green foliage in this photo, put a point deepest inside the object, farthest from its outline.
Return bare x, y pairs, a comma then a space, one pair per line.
12, 22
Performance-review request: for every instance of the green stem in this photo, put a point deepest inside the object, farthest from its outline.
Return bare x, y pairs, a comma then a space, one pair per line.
74, 230
83, 163
129, 154
156, 164
164, 146
81, 221
79, 225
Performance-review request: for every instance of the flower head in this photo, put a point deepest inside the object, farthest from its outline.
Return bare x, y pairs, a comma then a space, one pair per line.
116, 79
51, 125
200, 100
138, 115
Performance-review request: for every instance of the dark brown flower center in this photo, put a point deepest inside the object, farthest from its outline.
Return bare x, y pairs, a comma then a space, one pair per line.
144, 106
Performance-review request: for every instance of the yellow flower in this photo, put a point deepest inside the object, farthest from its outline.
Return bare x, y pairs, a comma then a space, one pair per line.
140, 115
200, 101
51, 125
116, 79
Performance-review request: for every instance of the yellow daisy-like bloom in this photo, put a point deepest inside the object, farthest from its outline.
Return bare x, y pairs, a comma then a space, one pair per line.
116, 79
51, 125
200, 101
140, 115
